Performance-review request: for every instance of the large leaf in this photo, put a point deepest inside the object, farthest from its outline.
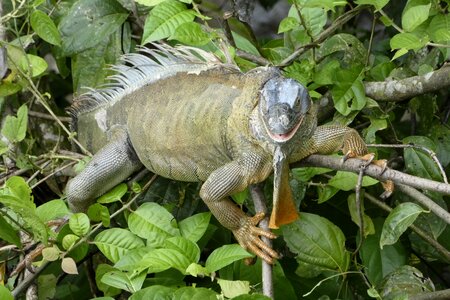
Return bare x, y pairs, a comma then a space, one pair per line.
17, 196
314, 19
164, 19
151, 219
194, 293
15, 128
116, 242
398, 221
348, 91
380, 262
403, 282
185, 246
159, 260
415, 13
51, 210
88, 20
379, 4
439, 28
131, 282
419, 162
191, 33
45, 28
225, 255
108, 290
317, 242
194, 226
156, 292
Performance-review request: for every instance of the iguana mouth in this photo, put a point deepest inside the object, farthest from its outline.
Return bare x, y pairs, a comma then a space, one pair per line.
284, 137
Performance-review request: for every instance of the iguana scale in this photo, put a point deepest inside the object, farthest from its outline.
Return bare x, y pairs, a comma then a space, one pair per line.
184, 115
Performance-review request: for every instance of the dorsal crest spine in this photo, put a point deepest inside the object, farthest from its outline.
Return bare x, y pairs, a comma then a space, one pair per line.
136, 70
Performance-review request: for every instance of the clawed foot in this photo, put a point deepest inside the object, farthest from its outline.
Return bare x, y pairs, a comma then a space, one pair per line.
248, 236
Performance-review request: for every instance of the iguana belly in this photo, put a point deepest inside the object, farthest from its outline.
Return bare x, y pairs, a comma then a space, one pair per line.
178, 127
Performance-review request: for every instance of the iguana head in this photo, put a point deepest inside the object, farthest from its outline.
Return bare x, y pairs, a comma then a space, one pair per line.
283, 106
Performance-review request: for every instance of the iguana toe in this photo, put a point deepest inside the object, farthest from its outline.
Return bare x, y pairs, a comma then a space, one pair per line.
248, 236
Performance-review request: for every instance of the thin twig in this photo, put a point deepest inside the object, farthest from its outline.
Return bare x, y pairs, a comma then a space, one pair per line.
359, 211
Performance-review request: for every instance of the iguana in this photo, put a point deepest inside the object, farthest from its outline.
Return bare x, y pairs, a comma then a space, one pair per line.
185, 115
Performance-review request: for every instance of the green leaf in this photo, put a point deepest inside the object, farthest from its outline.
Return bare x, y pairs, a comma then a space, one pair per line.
354, 51
399, 53
415, 13
99, 213
404, 282
317, 242
158, 260
326, 193
407, 41
8, 88
149, 2
348, 92
17, 195
439, 28
185, 246
114, 195
196, 270
225, 255
164, 19
108, 290
194, 226
379, 4
15, 128
9, 233
376, 124
52, 210
418, 162
115, 242
131, 260
380, 262
79, 224
5, 294
69, 240
287, 24
46, 285
37, 65
233, 288
194, 293
314, 19
191, 33
368, 224
156, 292
50, 253
86, 21
346, 181
130, 282
151, 219
398, 221
45, 28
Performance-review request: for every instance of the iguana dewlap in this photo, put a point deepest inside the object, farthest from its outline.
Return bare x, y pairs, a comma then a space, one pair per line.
184, 115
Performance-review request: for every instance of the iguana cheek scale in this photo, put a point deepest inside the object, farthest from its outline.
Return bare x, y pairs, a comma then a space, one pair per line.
184, 115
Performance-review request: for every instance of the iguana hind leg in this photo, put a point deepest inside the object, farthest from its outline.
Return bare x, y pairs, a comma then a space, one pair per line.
115, 162
232, 178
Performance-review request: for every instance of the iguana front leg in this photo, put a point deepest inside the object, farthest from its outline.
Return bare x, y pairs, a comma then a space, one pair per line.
329, 139
232, 178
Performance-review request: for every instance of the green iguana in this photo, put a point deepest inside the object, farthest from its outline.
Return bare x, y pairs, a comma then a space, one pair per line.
184, 115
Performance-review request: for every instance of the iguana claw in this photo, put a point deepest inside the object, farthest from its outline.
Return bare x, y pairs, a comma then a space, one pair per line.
248, 236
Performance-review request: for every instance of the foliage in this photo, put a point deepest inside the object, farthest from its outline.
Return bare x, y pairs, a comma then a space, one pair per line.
158, 242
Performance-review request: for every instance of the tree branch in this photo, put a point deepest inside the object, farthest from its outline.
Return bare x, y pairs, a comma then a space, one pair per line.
399, 90
403, 181
260, 205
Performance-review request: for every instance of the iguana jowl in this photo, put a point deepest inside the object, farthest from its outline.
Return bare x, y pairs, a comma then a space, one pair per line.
184, 115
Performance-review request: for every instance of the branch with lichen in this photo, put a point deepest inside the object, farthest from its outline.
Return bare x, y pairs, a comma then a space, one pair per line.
399, 90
